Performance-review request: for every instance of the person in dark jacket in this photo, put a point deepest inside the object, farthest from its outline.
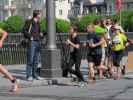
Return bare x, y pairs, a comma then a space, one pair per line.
75, 56
32, 32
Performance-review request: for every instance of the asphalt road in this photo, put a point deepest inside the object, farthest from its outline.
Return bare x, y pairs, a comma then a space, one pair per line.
102, 90
39, 90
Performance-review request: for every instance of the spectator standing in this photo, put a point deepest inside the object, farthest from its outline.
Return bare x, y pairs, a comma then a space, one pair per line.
32, 32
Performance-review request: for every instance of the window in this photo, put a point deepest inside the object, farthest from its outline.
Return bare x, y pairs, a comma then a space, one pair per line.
60, 0
60, 12
71, 4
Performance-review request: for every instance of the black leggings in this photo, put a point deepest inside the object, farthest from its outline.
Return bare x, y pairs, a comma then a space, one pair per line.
75, 59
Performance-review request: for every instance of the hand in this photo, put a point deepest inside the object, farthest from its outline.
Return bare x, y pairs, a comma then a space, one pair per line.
127, 44
92, 45
1, 44
77, 46
68, 41
84, 44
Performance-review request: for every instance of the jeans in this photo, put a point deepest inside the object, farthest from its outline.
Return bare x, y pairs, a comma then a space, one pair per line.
33, 59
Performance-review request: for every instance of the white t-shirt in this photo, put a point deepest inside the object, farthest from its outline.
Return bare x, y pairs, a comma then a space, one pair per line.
108, 28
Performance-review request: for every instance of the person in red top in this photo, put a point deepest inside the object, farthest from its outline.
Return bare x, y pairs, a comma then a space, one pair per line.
3, 70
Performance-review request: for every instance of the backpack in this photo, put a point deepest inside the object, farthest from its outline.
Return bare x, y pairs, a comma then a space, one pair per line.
26, 31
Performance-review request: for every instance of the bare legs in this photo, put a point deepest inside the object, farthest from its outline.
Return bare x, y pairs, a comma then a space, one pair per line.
6, 73
91, 74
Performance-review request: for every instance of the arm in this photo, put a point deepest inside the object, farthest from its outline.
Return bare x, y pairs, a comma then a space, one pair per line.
73, 45
102, 40
4, 35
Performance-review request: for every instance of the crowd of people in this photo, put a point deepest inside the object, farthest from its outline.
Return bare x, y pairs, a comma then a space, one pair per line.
107, 45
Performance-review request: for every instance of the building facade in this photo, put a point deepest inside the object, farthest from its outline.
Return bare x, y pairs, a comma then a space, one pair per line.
6, 8
102, 7
22, 8
64, 9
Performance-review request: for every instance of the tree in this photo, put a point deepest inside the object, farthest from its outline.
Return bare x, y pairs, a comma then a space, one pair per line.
62, 26
3, 25
43, 25
14, 24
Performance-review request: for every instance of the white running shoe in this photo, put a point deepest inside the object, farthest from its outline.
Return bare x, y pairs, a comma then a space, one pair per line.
15, 86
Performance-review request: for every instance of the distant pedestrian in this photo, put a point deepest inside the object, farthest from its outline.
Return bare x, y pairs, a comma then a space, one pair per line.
4, 71
32, 32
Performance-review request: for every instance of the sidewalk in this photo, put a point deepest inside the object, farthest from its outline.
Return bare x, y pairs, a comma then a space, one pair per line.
19, 72
39, 90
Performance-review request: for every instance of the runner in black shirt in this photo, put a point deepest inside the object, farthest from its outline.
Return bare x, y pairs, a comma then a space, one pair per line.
94, 55
75, 57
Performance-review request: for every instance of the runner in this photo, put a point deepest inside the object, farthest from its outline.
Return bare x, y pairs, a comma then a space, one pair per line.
104, 62
109, 24
13, 80
118, 46
94, 54
75, 56
102, 33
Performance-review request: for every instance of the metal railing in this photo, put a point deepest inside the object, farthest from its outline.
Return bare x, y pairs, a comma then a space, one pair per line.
13, 53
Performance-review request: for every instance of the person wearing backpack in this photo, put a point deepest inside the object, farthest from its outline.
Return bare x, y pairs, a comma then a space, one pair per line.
33, 34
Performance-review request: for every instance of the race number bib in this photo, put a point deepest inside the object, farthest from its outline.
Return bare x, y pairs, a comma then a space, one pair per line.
116, 40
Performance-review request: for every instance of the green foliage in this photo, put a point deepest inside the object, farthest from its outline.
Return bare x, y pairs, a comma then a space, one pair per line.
62, 26
75, 21
130, 24
115, 18
84, 21
43, 25
3, 25
14, 24
126, 19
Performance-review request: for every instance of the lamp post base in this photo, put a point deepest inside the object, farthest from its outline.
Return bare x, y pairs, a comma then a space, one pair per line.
51, 63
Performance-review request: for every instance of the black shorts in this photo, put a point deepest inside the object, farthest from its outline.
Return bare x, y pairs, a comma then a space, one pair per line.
96, 59
117, 57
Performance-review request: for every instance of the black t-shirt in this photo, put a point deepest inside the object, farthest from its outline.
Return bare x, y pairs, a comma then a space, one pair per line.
94, 38
75, 40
